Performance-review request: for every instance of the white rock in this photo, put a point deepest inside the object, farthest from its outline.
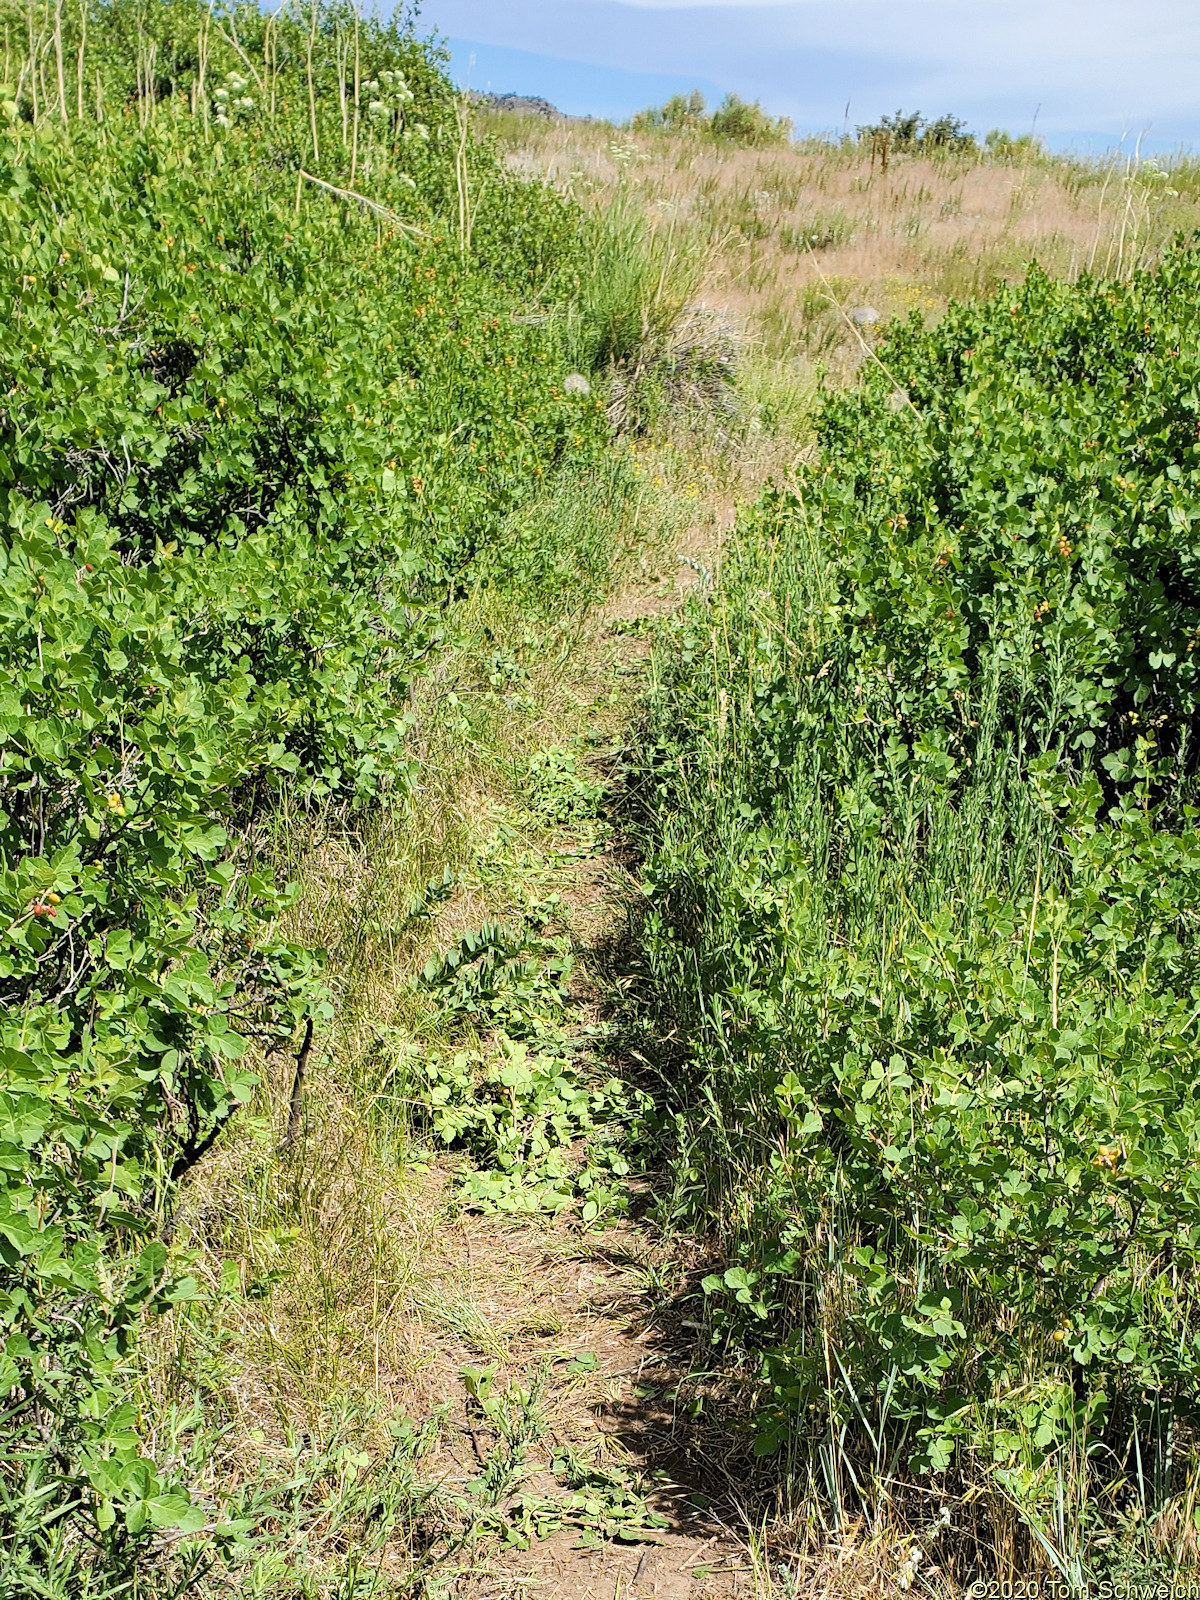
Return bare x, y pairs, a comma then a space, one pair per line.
865, 316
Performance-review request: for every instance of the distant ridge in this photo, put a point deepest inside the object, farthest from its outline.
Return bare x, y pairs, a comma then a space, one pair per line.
528, 104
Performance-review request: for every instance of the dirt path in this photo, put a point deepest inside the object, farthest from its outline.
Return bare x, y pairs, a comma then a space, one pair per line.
562, 1360
588, 1335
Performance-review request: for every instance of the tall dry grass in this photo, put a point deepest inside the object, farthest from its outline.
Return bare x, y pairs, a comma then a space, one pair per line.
787, 231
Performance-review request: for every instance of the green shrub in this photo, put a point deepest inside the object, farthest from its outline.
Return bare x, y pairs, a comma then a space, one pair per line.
924, 911
735, 121
1002, 146
912, 133
255, 433
745, 122
827, 230
679, 112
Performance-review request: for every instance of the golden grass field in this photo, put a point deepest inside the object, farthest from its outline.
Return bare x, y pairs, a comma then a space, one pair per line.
781, 229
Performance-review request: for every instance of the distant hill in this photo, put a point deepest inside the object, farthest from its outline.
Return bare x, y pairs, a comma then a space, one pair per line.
527, 104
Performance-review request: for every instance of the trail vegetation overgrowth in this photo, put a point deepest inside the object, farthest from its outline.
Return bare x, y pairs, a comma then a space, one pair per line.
923, 930
304, 695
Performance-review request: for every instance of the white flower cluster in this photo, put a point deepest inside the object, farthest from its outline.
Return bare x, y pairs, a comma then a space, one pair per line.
389, 94
1152, 173
230, 100
914, 1555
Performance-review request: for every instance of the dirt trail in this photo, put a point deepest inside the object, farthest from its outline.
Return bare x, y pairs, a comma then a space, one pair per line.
581, 1341
651, 1521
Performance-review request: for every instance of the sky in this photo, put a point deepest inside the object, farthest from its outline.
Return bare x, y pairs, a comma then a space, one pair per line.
1084, 74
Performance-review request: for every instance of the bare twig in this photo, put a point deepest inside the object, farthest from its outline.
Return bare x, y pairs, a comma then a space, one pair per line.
297, 1105
361, 199
857, 332
195, 1148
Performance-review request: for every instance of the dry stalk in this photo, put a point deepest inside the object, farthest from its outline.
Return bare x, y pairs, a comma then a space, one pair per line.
897, 387
359, 199
58, 62
357, 85
312, 92
461, 178
83, 17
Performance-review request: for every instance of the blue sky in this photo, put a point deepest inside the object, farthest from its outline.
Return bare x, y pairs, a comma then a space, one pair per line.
1091, 72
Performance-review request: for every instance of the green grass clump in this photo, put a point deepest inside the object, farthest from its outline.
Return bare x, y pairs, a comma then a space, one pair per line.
636, 283
924, 882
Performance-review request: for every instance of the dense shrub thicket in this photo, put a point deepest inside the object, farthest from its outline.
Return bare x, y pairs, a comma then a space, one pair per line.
254, 432
925, 903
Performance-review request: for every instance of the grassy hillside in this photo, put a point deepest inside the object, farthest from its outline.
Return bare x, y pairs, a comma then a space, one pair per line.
787, 230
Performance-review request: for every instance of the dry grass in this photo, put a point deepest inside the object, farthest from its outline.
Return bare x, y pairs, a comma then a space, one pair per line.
784, 227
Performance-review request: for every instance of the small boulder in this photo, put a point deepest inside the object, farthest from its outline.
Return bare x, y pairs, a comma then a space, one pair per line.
865, 316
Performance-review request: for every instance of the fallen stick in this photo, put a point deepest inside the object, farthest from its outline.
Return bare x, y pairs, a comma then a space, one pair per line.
361, 199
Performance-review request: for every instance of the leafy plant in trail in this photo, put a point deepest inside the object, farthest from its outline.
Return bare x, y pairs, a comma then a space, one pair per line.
538, 1128
516, 1417
265, 400
922, 868
601, 1502
561, 793
495, 975
522, 1117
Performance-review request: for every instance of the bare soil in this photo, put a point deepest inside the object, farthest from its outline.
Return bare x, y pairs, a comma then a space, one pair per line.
549, 1294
